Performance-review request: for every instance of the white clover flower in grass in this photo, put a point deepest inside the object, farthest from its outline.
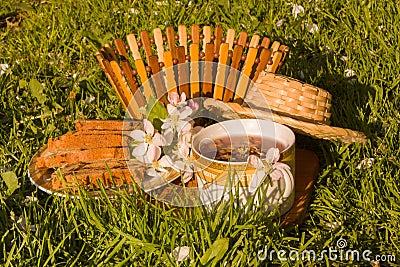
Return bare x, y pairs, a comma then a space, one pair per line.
3, 68
181, 253
312, 27
297, 9
349, 73
365, 163
280, 22
89, 99
149, 148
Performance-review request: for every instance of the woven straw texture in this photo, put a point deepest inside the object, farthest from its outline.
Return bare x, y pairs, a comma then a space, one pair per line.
293, 97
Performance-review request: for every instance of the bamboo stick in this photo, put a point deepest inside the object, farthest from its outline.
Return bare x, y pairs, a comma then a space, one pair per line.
221, 71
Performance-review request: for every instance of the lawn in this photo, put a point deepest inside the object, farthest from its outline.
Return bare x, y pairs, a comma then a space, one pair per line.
49, 77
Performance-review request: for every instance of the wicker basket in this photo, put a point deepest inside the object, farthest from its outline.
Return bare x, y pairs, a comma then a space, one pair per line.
294, 98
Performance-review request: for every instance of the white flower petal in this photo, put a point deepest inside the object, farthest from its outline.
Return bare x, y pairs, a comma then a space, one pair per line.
183, 97
186, 128
255, 162
148, 127
158, 139
167, 124
187, 176
184, 150
181, 253
168, 136
193, 105
151, 172
256, 180
366, 163
140, 150
171, 109
279, 171
173, 98
3, 68
272, 155
153, 152
165, 161
297, 9
280, 22
349, 73
312, 27
138, 135
185, 112
276, 174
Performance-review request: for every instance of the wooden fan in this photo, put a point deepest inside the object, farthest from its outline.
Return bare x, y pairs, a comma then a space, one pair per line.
127, 66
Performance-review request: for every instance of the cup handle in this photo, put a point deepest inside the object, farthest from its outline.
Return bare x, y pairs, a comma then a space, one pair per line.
289, 182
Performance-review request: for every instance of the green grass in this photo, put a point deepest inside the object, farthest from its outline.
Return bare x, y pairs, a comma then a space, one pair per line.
50, 49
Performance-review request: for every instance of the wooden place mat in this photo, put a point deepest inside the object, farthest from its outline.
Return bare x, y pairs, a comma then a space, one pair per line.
306, 173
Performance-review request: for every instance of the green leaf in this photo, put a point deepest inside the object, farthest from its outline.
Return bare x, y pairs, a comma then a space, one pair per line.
155, 111
11, 180
22, 83
215, 252
37, 90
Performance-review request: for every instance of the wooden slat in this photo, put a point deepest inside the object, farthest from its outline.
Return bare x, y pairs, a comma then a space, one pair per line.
242, 39
221, 72
119, 44
218, 38
102, 62
231, 80
141, 69
117, 87
266, 42
159, 43
230, 37
105, 54
207, 36
265, 55
171, 40
276, 58
182, 37
194, 71
133, 46
132, 82
157, 78
183, 75
244, 78
208, 71
144, 38
255, 39
275, 46
110, 51
195, 34
169, 72
126, 94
